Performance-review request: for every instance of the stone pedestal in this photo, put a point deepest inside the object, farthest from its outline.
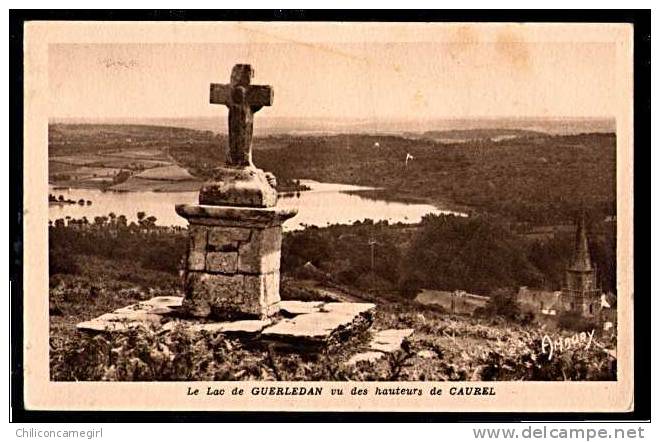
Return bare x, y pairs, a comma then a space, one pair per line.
233, 261
238, 186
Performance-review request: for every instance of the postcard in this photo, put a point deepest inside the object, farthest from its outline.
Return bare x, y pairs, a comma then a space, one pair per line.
328, 216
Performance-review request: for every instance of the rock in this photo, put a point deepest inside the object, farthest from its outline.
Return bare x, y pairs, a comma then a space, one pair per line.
246, 328
267, 286
106, 327
426, 354
165, 301
323, 327
349, 308
162, 311
370, 356
389, 341
171, 325
233, 260
120, 322
382, 342
300, 307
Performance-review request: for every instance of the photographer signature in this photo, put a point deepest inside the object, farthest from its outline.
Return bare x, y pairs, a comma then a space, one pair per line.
551, 346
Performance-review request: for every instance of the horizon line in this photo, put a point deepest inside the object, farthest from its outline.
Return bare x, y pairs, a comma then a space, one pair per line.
449, 118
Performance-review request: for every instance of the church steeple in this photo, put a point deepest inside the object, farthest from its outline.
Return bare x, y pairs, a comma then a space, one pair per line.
581, 261
581, 292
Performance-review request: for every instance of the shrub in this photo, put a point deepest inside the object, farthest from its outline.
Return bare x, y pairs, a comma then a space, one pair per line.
570, 320
59, 261
503, 303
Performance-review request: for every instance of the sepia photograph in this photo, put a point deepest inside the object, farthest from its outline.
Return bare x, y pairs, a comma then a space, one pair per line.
398, 210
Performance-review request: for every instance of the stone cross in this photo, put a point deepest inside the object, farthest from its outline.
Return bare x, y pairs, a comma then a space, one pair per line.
243, 100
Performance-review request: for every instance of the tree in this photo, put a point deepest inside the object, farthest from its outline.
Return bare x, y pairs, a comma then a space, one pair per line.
149, 222
503, 303
122, 222
476, 254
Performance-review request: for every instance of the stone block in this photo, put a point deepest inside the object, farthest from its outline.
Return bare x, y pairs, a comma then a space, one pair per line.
231, 296
197, 238
238, 186
165, 301
225, 239
323, 327
196, 260
262, 253
121, 322
268, 288
247, 327
300, 307
311, 329
228, 216
135, 308
159, 305
222, 262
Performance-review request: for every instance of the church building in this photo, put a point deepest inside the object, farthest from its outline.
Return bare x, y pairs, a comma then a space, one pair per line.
581, 292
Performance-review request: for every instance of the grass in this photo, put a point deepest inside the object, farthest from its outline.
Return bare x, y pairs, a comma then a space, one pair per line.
442, 348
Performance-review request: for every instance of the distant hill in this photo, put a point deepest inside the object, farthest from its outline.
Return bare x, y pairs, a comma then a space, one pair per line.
522, 175
464, 135
328, 126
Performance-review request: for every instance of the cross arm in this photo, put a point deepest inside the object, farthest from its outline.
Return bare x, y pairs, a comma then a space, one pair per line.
220, 94
256, 95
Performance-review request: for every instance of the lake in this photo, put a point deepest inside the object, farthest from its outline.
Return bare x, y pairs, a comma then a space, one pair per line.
323, 205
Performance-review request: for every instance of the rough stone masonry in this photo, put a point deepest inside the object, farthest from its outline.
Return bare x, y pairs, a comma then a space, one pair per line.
233, 259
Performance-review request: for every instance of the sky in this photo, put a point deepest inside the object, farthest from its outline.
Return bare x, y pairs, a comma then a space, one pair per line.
405, 80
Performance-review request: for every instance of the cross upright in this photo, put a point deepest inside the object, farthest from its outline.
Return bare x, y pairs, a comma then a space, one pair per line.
243, 100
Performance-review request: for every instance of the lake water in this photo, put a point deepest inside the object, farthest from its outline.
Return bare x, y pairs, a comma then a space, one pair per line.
325, 204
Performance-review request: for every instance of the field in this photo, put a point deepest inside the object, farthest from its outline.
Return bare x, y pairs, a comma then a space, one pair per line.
128, 158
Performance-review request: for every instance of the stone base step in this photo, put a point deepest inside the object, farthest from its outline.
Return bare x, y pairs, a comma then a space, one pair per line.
301, 325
